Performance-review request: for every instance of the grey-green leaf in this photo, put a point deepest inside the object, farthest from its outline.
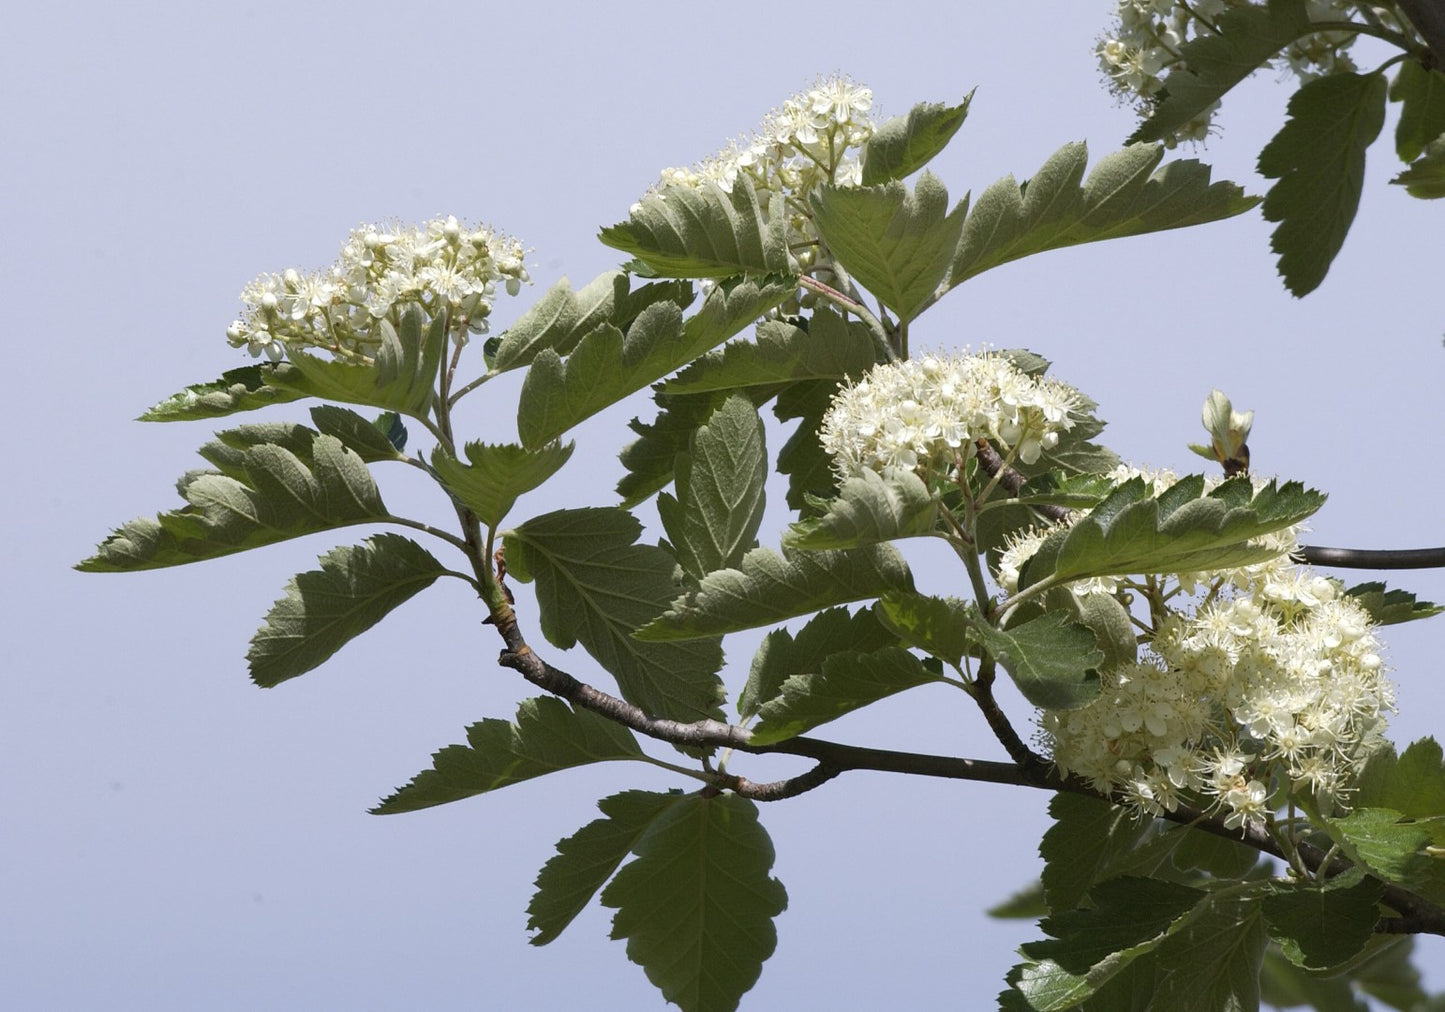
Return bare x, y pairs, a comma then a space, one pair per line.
243, 389
1387, 607
1053, 661
896, 244
1125, 195
849, 680
494, 476
934, 624
355, 588
698, 903
714, 520
596, 586
559, 319
870, 508
368, 441
705, 233
904, 144
587, 859
782, 655
770, 588
547, 736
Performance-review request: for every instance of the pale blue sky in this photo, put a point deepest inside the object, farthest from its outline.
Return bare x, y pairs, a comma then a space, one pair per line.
175, 838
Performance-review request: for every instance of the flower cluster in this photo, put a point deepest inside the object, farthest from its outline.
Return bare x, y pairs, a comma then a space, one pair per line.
924, 414
1269, 682
440, 264
811, 140
1145, 46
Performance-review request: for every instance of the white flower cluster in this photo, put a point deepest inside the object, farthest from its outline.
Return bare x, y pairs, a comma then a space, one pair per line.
1271, 683
923, 414
811, 140
1145, 45
439, 264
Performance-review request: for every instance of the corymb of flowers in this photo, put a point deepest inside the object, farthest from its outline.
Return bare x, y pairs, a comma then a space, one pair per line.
1144, 45
926, 414
1251, 688
441, 264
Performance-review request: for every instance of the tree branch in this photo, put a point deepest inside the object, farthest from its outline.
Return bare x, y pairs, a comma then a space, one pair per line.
1364, 558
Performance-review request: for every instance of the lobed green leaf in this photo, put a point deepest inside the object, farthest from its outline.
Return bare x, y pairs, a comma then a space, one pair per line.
869, 509
781, 654
904, 144
1425, 178
494, 476
896, 244
1054, 661
243, 389
849, 680
1124, 195
323, 610
936, 625
371, 441
1318, 156
546, 736
1322, 925
714, 520
698, 903
770, 587
1389, 607
596, 586
1421, 93
705, 233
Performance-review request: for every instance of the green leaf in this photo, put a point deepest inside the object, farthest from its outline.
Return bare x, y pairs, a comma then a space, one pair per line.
494, 476
896, 244
697, 906
1284, 985
1412, 784
651, 459
782, 655
705, 233
869, 509
402, 378
1389, 607
904, 144
1181, 531
1318, 156
1113, 630
1213, 960
1027, 904
322, 610
547, 736
936, 625
607, 365
368, 440
1425, 178
1384, 841
1245, 38
1053, 661
594, 585
848, 681
770, 588
586, 860
243, 389
1422, 114
802, 458
831, 348
227, 452
559, 319
1322, 926
1087, 837
1391, 977
279, 495
715, 519
1124, 195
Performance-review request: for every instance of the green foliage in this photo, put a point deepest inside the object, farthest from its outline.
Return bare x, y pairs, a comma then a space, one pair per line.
896, 244
1421, 93
1245, 38
1124, 195
1088, 837
1412, 783
402, 378
546, 736
1425, 178
1183, 530
494, 476
371, 441
904, 144
651, 459
705, 233
933, 624
848, 681
1319, 159
607, 365
1320, 926
769, 588
697, 905
596, 586
588, 858
783, 353
782, 655
869, 509
274, 494
1053, 661
322, 610
1388, 607
1388, 844
715, 518
243, 389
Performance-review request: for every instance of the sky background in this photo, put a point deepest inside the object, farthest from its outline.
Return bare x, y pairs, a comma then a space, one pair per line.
175, 838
